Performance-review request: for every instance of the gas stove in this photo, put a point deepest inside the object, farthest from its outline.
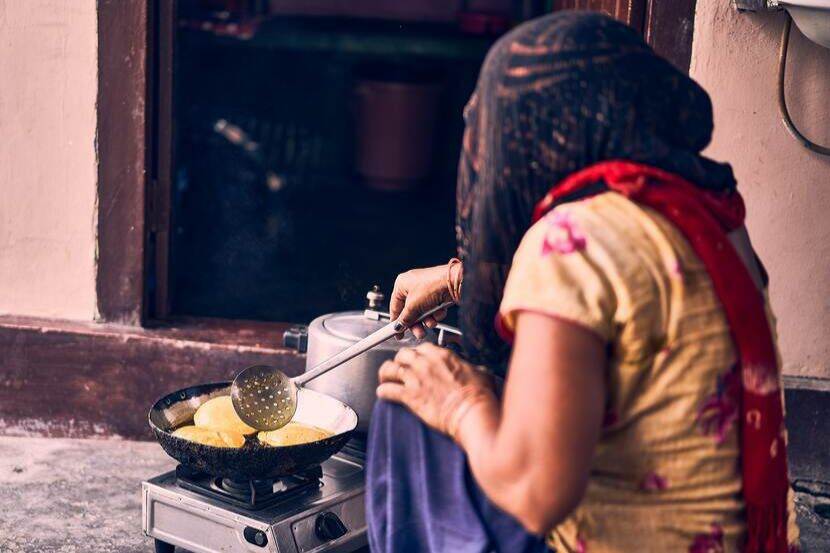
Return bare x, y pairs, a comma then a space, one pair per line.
317, 510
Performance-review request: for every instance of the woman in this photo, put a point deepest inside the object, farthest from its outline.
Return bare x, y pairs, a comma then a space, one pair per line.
641, 409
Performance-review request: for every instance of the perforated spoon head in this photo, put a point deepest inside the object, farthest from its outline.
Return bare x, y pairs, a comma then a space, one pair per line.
264, 397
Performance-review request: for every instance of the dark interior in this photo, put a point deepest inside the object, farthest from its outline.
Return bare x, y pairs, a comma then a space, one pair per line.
271, 219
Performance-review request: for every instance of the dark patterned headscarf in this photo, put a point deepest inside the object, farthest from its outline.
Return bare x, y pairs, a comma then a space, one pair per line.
556, 95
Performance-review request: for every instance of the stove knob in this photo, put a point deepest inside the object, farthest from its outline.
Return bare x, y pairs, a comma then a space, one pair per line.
329, 527
254, 536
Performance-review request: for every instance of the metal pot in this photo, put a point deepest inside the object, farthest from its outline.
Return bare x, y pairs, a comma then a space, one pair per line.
396, 110
355, 381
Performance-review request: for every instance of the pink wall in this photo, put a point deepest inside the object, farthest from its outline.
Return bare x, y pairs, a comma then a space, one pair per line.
48, 88
787, 188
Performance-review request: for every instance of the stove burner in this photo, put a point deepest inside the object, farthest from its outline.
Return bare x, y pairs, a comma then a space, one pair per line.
253, 489
253, 494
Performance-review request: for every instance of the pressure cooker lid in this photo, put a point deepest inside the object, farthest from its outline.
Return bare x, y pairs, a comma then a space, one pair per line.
354, 326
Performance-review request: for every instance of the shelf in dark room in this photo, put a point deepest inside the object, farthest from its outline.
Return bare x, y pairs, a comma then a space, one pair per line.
359, 37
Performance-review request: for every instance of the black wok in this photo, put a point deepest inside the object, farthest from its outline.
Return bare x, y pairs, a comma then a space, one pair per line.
253, 460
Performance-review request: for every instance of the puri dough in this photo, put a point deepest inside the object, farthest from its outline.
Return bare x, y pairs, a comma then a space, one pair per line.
206, 436
218, 414
293, 433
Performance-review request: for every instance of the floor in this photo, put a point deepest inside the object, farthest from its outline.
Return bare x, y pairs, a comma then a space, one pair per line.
79, 496
74, 496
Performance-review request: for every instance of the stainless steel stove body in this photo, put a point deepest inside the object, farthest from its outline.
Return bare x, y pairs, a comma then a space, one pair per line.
305, 513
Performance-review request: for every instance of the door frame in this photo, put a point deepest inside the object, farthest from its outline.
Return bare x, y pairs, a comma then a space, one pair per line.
124, 144
666, 25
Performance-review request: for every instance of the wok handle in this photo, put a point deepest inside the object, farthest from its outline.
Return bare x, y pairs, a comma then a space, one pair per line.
367, 343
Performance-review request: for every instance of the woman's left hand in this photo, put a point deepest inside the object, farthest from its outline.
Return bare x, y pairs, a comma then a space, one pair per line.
435, 384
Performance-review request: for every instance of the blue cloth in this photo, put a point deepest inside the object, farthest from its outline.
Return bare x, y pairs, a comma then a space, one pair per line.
421, 496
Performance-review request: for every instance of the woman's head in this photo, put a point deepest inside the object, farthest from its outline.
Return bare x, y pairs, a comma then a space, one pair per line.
555, 95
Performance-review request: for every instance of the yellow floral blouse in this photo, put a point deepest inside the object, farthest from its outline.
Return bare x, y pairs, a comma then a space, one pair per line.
666, 473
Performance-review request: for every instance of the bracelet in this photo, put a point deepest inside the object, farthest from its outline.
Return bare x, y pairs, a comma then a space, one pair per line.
454, 284
459, 405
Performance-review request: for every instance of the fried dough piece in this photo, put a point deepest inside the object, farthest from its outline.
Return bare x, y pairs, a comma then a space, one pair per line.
206, 436
218, 414
293, 433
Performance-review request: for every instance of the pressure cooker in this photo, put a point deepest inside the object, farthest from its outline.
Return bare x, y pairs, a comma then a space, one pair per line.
355, 381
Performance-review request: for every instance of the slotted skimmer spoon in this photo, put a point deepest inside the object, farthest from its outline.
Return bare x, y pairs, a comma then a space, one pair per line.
265, 398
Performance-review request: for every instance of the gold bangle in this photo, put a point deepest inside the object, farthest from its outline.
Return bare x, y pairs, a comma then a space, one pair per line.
468, 397
454, 284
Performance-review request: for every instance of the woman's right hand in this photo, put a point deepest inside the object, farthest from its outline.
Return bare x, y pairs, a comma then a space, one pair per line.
419, 290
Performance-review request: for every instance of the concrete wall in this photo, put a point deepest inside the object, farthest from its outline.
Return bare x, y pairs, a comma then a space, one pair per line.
48, 88
787, 188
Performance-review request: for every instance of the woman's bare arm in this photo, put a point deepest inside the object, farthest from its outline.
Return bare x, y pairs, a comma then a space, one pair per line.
532, 456
532, 452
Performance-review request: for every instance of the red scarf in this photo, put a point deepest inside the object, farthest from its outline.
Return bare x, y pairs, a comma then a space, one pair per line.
705, 218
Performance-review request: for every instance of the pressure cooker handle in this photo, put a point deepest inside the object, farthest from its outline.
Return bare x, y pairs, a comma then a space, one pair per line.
448, 336
296, 338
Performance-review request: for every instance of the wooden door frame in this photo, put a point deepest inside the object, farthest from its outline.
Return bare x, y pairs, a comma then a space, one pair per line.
135, 158
666, 25
124, 143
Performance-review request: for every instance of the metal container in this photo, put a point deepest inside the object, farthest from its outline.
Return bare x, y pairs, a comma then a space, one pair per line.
355, 381
396, 111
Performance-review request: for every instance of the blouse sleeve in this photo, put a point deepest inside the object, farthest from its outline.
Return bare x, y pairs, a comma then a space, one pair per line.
557, 271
